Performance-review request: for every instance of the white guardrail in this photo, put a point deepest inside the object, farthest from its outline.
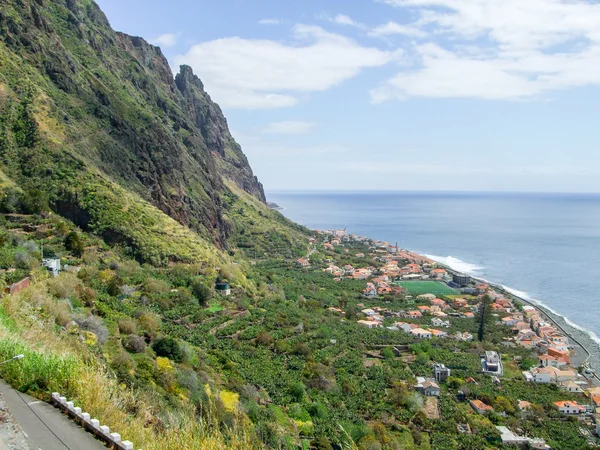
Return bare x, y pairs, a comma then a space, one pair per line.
92, 425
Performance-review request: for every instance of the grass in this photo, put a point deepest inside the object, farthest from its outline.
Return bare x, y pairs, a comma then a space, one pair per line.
57, 362
426, 287
214, 307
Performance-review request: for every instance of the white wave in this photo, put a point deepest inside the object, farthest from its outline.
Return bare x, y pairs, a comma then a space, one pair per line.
528, 297
456, 264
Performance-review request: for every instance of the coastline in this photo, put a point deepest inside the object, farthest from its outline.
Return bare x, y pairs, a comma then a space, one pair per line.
578, 336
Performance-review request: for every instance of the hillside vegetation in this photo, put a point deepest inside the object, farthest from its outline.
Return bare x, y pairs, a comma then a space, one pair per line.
131, 179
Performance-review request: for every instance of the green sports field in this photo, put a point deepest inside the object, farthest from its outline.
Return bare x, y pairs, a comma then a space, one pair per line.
426, 287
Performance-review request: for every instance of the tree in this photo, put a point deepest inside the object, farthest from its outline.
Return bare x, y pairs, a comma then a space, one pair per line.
388, 353
484, 313
74, 244
169, 348
201, 291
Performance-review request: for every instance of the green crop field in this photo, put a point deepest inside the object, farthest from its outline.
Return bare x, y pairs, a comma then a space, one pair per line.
426, 287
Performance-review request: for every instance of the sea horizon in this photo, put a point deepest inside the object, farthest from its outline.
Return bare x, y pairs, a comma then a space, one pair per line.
422, 191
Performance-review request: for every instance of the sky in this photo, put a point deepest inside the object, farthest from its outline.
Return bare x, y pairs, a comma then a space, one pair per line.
467, 95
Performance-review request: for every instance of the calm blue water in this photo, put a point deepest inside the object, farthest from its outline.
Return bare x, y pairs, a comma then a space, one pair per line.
547, 246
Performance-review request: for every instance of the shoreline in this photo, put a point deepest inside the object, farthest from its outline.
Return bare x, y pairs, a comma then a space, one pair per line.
578, 336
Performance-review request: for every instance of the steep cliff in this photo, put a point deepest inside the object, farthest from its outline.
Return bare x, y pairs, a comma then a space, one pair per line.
93, 121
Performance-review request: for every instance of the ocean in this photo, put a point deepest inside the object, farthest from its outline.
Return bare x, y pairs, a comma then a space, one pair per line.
542, 247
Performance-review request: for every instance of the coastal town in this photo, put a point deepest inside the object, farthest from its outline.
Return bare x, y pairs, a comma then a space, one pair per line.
428, 303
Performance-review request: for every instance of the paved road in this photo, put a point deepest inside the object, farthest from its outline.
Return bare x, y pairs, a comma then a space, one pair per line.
45, 426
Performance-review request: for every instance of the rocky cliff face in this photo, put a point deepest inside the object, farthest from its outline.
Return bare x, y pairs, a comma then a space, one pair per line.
107, 103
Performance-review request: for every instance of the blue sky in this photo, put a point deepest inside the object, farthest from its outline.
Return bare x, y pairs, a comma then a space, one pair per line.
478, 95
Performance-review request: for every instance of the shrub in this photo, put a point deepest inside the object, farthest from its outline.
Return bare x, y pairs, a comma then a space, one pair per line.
23, 260
134, 344
201, 291
95, 325
66, 285
297, 391
87, 295
74, 244
156, 286
127, 326
169, 348
264, 338
150, 324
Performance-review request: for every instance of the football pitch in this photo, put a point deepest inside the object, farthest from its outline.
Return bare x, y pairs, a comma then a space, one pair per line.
426, 287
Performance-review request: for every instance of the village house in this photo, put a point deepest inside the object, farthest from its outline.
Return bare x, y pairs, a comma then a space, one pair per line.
438, 273
553, 361
571, 386
421, 333
303, 262
439, 302
370, 323
460, 303
510, 438
479, 407
427, 387
466, 336
491, 363
519, 326
438, 333
437, 322
570, 407
508, 321
406, 327
370, 290
523, 405
539, 375
441, 373
424, 309
414, 314
384, 290
427, 297
348, 270
53, 265
563, 375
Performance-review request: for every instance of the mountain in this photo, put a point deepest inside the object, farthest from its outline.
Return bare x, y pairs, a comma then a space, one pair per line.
95, 127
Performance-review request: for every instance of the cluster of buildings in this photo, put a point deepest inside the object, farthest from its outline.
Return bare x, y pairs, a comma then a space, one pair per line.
528, 327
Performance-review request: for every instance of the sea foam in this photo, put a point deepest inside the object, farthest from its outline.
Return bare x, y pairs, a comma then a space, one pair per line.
457, 264
474, 269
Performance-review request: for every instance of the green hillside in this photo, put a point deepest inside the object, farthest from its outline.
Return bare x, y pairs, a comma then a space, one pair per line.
130, 177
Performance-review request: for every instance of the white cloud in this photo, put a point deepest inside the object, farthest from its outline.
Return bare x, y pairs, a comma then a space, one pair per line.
342, 19
289, 127
499, 49
165, 40
392, 28
269, 22
252, 73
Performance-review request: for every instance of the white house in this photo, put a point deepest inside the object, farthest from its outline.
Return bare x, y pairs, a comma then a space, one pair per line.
370, 324
421, 333
428, 387
438, 333
570, 407
570, 386
437, 322
541, 375
53, 265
